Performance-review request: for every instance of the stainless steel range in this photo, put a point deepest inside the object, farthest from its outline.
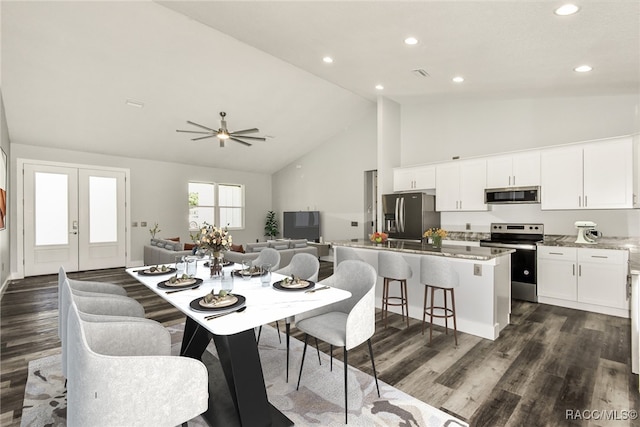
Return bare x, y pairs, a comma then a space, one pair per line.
522, 238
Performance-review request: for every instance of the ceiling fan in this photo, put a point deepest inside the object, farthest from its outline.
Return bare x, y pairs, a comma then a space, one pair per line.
223, 133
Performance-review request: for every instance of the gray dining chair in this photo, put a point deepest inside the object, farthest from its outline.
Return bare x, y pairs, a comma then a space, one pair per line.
346, 323
306, 267
268, 256
91, 303
123, 374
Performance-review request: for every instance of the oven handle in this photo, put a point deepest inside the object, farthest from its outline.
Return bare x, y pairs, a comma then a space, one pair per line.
510, 245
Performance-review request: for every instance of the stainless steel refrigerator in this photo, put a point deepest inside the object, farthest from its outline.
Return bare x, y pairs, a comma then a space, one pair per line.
408, 215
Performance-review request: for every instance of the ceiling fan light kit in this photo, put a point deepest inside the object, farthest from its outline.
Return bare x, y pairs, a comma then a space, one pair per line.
223, 133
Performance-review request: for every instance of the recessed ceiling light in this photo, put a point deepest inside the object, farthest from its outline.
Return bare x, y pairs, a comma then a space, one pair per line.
379, 87
327, 60
567, 9
583, 69
458, 79
134, 103
411, 41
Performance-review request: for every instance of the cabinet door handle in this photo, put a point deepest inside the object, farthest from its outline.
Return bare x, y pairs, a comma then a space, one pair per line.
599, 256
514, 180
579, 201
556, 253
574, 269
580, 270
460, 204
509, 180
586, 203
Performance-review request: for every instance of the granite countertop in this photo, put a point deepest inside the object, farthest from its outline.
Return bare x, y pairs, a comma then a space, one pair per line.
632, 244
463, 252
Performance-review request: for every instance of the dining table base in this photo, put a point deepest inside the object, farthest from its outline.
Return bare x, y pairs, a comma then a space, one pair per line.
241, 398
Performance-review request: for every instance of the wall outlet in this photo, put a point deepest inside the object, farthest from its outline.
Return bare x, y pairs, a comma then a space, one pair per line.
467, 226
354, 223
134, 224
143, 224
477, 270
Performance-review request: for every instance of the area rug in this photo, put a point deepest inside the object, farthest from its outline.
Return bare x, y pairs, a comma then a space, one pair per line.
318, 402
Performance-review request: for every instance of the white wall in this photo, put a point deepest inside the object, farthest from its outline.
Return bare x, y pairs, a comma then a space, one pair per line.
159, 192
437, 131
4, 234
330, 179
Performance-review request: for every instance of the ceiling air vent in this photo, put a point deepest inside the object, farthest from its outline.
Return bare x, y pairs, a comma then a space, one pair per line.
420, 72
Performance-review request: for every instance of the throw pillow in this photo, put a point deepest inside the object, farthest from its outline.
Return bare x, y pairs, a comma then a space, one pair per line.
189, 246
174, 239
299, 243
280, 247
237, 248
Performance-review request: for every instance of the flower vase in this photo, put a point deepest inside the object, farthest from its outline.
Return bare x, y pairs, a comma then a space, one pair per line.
215, 264
436, 241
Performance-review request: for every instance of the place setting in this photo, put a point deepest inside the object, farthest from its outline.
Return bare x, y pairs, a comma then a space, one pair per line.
157, 270
182, 283
218, 304
293, 284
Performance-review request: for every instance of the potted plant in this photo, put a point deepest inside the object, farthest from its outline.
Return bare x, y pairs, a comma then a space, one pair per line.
271, 225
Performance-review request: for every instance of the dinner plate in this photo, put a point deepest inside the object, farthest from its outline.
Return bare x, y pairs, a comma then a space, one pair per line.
225, 264
196, 306
283, 287
253, 274
148, 272
193, 282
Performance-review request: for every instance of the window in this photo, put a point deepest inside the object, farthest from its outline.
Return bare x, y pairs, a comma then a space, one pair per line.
216, 204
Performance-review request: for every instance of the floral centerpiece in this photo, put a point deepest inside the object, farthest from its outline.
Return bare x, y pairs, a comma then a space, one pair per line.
436, 235
378, 237
214, 240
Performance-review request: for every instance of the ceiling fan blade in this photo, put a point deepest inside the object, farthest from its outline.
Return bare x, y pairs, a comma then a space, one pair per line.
241, 142
256, 138
192, 131
200, 126
237, 132
203, 137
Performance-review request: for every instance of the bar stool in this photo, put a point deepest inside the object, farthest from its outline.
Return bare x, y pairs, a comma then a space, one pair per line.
393, 267
437, 274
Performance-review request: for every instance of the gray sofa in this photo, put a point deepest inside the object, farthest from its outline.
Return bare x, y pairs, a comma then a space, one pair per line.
161, 251
286, 248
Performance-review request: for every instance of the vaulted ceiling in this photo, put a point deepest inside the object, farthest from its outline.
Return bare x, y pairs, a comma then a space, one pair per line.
68, 68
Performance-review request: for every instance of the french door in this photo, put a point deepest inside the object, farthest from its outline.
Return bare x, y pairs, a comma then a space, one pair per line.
73, 217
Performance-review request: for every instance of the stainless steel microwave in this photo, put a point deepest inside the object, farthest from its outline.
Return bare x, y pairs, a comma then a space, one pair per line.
512, 195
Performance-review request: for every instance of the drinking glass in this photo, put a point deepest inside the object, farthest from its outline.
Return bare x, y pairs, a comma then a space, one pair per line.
246, 270
226, 280
191, 265
180, 265
265, 277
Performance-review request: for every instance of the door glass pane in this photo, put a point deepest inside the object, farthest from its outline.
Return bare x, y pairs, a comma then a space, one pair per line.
51, 209
103, 209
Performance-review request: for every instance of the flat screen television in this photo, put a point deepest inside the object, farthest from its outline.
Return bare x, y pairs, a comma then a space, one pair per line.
301, 225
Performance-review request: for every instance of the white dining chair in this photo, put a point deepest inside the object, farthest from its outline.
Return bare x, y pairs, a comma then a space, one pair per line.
346, 323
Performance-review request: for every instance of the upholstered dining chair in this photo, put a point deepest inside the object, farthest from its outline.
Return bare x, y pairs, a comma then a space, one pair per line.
122, 373
306, 267
268, 256
346, 323
91, 303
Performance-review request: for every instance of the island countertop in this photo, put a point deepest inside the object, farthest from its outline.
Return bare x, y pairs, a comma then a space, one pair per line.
463, 252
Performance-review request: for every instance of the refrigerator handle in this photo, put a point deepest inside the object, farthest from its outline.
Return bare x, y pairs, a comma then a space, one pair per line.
402, 214
397, 218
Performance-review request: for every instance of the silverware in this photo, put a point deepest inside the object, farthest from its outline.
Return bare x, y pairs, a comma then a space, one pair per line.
215, 316
180, 290
310, 291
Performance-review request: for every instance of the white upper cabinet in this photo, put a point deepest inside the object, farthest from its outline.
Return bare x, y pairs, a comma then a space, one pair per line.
514, 170
595, 175
460, 186
414, 178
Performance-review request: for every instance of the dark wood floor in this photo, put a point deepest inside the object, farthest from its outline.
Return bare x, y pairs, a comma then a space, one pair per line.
548, 361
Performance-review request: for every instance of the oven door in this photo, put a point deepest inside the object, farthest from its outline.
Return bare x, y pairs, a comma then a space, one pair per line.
523, 270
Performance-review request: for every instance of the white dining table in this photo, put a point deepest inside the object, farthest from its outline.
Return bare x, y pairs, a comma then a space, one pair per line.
234, 334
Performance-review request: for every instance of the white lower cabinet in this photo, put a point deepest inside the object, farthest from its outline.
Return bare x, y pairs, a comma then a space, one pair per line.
584, 278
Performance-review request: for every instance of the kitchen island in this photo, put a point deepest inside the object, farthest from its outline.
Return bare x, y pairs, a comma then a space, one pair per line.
483, 298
